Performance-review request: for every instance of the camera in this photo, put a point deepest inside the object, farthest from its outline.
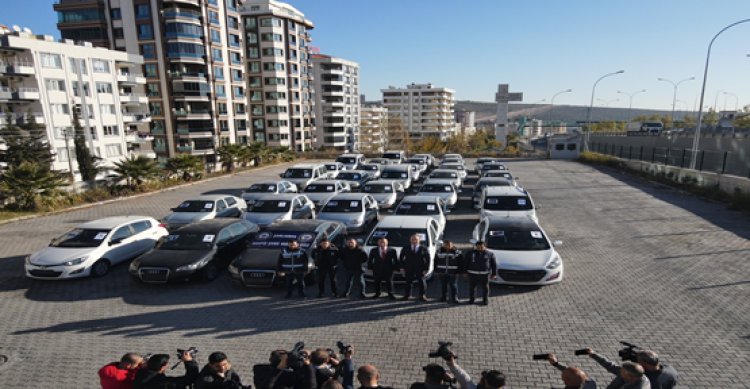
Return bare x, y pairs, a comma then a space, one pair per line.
582, 351
192, 351
443, 351
343, 348
541, 357
296, 356
629, 352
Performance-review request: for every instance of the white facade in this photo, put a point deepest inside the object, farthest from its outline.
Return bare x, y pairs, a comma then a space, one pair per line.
424, 110
337, 102
373, 129
50, 79
466, 122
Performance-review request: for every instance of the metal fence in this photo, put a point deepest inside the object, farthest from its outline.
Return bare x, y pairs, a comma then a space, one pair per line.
722, 162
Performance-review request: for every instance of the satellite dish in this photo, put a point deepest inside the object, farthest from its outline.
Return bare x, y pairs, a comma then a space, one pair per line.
27, 30
16, 28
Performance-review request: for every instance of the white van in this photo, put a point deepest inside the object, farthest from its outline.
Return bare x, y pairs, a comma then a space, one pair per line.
506, 201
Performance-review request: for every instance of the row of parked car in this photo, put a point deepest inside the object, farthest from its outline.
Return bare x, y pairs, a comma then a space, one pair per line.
206, 234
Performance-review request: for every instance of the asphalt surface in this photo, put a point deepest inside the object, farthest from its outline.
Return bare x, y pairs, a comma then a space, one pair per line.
643, 263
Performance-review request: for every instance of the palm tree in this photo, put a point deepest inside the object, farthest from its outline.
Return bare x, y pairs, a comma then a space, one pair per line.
229, 155
136, 170
259, 151
28, 182
185, 166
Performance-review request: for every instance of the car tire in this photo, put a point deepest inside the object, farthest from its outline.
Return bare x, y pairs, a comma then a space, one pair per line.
210, 272
100, 268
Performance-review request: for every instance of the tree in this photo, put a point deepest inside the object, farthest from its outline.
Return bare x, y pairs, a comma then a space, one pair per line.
86, 161
742, 119
26, 142
185, 165
259, 152
136, 170
30, 181
229, 154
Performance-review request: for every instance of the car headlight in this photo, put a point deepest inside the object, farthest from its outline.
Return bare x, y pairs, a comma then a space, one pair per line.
194, 266
27, 260
75, 261
233, 269
555, 262
355, 222
134, 265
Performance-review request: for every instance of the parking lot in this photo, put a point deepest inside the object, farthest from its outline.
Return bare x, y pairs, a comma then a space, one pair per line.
644, 263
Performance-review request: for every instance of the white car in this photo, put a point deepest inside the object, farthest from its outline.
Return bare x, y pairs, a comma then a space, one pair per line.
431, 161
446, 174
269, 209
420, 163
483, 160
419, 206
321, 191
485, 182
92, 248
523, 253
440, 188
334, 168
506, 201
385, 192
203, 208
358, 211
265, 188
458, 167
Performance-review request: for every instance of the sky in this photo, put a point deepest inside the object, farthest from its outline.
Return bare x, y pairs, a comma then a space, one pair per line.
538, 47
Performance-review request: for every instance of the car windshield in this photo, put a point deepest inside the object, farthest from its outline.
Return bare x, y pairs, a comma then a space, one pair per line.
343, 206
416, 161
516, 239
261, 188
436, 188
444, 175
187, 241
507, 203
81, 238
394, 174
346, 160
417, 209
498, 174
298, 173
270, 206
195, 206
484, 160
483, 185
332, 167
277, 239
397, 237
320, 188
349, 176
377, 189
452, 167
369, 167
493, 166
392, 156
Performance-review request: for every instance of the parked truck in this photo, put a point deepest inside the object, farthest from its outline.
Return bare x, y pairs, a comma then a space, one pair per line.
644, 128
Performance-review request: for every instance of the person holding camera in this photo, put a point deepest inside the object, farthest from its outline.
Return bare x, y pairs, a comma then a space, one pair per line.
660, 375
120, 375
352, 259
154, 377
491, 379
629, 375
369, 378
326, 257
325, 364
435, 377
572, 377
287, 370
383, 261
448, 264
415, 260
292, 263
480, 267
218, 374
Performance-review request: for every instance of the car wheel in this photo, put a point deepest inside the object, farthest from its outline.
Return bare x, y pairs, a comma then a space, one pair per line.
210, 272
100, 268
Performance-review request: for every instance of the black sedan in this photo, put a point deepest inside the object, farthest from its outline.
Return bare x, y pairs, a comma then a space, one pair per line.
257, 265
197, 250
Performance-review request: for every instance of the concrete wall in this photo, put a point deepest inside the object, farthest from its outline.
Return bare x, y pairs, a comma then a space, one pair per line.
726, 183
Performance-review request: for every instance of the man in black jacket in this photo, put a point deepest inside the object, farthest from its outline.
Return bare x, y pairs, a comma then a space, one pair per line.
448, 265
279, 375
352, 259
218, 374
480, 267
415, 260
383, 261
293, 263
153, 377
326, 257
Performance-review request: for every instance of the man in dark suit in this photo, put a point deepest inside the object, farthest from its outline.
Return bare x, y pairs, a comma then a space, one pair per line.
383, 261
415, 260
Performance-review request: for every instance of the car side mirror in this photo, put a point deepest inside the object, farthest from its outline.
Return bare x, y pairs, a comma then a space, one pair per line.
173, 209
115, 241
221, 245
281, 175
557, 243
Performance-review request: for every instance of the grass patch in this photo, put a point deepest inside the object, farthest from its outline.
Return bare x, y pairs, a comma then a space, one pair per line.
7, 215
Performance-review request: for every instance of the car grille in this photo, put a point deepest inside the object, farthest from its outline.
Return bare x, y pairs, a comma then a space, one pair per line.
521, 275
153, 274
45, 273
258, 277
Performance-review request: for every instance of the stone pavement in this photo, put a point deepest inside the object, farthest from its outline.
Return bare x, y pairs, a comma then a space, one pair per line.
643, 263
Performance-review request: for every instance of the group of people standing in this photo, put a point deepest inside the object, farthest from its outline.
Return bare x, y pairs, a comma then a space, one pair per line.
478, 266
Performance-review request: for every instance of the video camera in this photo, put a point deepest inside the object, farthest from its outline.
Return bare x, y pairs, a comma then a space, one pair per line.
191, 351
443, 351
343, 348
296, 356
629, 352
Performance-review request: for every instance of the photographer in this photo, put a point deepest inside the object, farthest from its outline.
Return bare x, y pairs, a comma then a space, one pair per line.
153, 377
293, 262
218, 374
352, 259
325, 365
434, 378
491, 379
120, 375
288, 369
630, 375
326, 257
572, 377
660, 375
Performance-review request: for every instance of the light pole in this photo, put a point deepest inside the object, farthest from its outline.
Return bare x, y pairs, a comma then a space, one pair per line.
630, 100
606, 103
697, 133
674, 95
716, 99
736, 100
591, 107
552, 102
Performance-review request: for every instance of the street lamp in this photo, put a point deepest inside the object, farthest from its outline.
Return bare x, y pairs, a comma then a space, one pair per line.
696, 134
716, 99
674, 96
630, 99
552, 101
736, 100
591, 107
606, 103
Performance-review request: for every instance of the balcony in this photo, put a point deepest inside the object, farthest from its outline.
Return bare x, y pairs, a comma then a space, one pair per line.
176, 13
188, 77
17, 69
191, 97
130, 79
160, 148
194, 114
5, 93
131, 99
137, 137
196, 3
145, 153
136, 117
26, 94
22, 117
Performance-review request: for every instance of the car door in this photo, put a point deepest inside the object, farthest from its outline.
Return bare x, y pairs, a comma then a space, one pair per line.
238, 239
145, 236
121, 245
298, 209
223, 245
228, 208
371, 209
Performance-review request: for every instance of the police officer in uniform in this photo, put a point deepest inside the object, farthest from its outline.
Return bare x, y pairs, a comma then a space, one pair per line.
326, 257
293, 262
480, 267
448, 265
415, 260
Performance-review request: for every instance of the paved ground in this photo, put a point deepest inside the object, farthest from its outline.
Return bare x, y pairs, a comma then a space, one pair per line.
644, 263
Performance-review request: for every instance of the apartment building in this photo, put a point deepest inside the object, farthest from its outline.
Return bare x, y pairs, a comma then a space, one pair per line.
48, 80
423, 110
280, 91
337, 102
194, 64
373, 129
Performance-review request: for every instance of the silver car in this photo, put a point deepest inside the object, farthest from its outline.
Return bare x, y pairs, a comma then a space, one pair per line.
321, 191
440, 188
272, 208
386, 193
261, 189
373, 169
358, 211
355, 178
203, 208
446, 174
457, 167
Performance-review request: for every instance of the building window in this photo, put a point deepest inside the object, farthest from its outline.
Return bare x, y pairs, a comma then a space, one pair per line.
273, 66
179, 49
145, 31
258, 124
239, 108
118, 33
256, 96
218, 72
232, 5
52, 61
114, 150
233, 23
213, 17
270, 22
251, 22
271, 37
100, 66
55, 85
275, 95
76, 89
107, 109
148, 51
224, 125
276, 109
253, 67
271, 52
252, 52
236, 58
236, 75
62, 154
116, 14
183, 30
149, 70
142, 11
275, 81
111, 130
254, 82
215, 36
251, 37
238, 91
155, 109
221, 91
104, 88
152, 90
60, 109
234, 40
222, 108
216, 55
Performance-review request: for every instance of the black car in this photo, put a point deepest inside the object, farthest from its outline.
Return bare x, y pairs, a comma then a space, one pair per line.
197, 250
257, 265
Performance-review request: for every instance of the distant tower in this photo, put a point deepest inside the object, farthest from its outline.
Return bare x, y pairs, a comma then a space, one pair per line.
502, 97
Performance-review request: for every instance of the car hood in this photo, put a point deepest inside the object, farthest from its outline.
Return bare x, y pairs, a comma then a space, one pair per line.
187, 217
527, 213
442, 195
522, 260
263, 218
339, 216
300, 182
251, 197
171, 258
51, 256
383, 196
257, 259
320, 197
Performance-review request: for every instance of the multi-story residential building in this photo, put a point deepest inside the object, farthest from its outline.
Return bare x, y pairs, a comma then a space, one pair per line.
466, 122
279, 71
49, 80
337, 102
373, 129
424, 110
194, 63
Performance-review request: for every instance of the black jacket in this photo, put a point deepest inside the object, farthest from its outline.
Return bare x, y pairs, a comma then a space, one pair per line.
293, 261
415, 262
147, 379
269, 377
481, 262
323, 375
352, 259
208, 379
326, 259
449, 261
386, 265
